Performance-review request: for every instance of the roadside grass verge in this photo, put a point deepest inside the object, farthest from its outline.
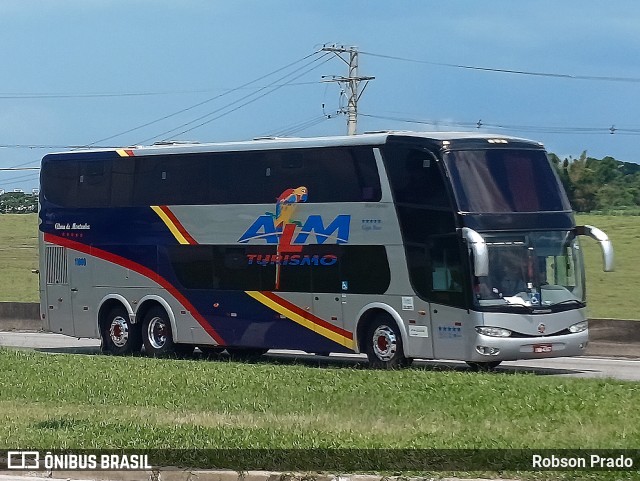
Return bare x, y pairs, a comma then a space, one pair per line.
18, 256
613, 294
85, 402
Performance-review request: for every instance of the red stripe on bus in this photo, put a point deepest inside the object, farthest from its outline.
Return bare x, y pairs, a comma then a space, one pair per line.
178, 225
140, 269
307, 315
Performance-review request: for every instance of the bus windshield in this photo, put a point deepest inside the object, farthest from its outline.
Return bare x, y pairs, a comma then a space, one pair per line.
535, 270
504, 180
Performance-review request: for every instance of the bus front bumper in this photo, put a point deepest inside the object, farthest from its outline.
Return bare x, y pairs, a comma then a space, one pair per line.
489, 349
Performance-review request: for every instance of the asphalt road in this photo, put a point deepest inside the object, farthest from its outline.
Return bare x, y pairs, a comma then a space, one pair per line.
584, 366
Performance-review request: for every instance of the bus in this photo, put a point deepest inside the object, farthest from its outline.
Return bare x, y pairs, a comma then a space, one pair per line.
398, 245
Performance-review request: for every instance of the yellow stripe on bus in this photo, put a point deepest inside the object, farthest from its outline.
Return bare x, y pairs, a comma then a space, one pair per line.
174, 230
297, 318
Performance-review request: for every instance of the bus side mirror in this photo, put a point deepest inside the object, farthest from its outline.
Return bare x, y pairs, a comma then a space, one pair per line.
478, 247
605, 244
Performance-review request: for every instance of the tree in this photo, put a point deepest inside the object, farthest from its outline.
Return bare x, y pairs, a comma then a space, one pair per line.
598, 183
18, 203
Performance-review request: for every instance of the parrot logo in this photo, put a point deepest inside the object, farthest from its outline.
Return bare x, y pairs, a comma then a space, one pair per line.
290, 236
285, 207
285, 204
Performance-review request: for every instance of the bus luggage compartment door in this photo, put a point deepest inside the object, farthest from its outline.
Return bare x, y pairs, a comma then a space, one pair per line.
58, 293
82, 295
329, 308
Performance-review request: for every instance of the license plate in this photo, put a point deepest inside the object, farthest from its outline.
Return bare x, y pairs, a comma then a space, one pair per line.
539, 348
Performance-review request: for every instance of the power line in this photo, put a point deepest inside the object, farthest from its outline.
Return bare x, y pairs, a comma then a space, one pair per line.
273, 87
17, 169
22, 178
508, 71
299, 126
49, 147
211, 99
517, 128
90, 95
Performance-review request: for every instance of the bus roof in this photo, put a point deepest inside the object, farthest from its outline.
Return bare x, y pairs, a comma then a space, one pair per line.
444, 139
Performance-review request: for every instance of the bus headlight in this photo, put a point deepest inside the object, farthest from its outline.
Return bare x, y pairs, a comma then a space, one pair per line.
493, 331
579, 327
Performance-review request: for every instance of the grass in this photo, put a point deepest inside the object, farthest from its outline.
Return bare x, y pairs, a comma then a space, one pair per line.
613, 294
101, 402
610, 295
18, 256
115, 402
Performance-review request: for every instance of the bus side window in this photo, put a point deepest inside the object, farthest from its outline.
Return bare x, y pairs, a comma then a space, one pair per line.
60, 182
220, 172
413, 187
122, 176
367, 172
329, 174
94, 184
415, 178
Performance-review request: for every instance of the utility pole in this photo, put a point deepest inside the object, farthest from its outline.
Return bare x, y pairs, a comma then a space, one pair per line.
352, 82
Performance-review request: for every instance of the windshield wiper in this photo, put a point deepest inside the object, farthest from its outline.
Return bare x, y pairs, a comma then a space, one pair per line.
569, 301
509, 307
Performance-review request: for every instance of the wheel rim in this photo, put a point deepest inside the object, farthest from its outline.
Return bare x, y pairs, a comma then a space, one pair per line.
157, 333
119, 331
385, 343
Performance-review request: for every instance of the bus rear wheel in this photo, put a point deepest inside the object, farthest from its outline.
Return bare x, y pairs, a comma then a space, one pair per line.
383, 345
157, 335
119, 335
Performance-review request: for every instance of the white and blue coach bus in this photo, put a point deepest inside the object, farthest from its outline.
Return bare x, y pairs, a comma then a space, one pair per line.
399, 245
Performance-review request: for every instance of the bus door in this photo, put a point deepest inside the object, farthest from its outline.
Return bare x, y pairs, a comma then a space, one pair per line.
450, 320
82, 302
452, 331
58, 293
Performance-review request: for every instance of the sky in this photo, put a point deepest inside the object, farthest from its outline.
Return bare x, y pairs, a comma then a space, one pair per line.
112, 73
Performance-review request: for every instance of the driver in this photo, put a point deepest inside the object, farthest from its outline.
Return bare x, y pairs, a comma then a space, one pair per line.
506, 282
510, 281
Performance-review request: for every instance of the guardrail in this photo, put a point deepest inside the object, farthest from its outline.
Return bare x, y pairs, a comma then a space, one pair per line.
20, 316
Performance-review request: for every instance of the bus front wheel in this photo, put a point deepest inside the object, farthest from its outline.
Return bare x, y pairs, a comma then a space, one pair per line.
119, 335
156, 333
384, 345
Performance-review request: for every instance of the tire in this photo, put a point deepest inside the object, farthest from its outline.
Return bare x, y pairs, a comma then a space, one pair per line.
157, 335
383, 344
483, 366
119, 335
